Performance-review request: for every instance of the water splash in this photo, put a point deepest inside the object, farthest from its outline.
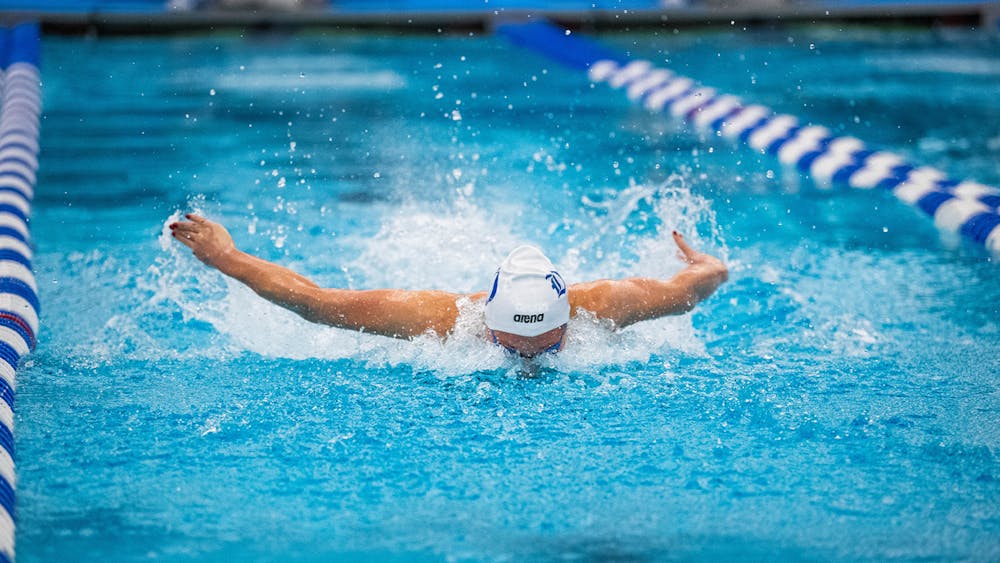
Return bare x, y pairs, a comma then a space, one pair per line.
449, 246
630, 231
454, 246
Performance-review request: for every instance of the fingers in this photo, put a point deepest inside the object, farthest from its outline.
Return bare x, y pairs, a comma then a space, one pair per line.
185, 239
185, 235
208, 240
191, 224
688, 252
195, 223
183, 227
186, 232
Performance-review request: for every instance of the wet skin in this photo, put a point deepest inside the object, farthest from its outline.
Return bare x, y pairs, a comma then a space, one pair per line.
407, 314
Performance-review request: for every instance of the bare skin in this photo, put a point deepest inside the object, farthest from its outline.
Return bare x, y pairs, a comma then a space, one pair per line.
406, 314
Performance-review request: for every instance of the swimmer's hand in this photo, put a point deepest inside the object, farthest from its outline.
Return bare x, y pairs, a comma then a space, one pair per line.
695, 258
210, 241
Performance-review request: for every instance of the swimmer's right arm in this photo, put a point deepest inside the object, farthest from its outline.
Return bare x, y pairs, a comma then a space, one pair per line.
389, 312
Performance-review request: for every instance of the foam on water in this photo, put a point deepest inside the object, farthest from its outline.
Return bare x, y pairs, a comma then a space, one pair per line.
456, 246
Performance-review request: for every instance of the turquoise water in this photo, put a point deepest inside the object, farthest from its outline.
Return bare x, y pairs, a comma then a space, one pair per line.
836, 400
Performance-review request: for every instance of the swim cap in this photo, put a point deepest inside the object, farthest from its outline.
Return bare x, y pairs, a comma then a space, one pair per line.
528, 296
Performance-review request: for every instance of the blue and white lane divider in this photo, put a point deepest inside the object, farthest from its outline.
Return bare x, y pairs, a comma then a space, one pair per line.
20, 111
969, 208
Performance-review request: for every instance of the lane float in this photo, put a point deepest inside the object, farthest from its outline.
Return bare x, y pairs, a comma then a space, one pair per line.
20, 111
966, 207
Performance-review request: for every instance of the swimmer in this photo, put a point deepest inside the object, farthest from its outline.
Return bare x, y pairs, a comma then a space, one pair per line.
527, 308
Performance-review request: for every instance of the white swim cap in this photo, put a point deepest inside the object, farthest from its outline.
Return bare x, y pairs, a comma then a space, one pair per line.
528, 296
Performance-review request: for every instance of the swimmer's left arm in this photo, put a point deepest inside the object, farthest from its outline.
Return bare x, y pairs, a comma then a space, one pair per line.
628, 301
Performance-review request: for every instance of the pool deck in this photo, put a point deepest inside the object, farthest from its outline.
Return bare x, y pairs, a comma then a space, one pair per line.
985, 15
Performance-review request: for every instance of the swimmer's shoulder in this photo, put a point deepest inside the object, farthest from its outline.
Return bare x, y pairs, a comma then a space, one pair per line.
589, 296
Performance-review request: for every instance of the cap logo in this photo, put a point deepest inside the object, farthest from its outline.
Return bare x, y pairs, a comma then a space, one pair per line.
529, 318
557, 283
493, 292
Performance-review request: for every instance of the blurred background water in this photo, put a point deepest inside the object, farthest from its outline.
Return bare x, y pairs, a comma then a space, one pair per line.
837, 399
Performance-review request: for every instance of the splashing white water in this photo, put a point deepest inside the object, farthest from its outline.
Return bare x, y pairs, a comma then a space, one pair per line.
427, 246
456, 246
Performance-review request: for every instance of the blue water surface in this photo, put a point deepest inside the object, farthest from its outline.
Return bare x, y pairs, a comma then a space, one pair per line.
837, 399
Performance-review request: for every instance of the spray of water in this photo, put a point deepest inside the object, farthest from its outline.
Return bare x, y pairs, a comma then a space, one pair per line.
456, 246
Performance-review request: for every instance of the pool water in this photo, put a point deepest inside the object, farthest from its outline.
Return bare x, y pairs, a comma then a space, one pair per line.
837, 399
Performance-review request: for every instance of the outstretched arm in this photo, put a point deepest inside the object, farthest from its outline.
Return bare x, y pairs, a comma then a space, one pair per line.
389, 312
631, 300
